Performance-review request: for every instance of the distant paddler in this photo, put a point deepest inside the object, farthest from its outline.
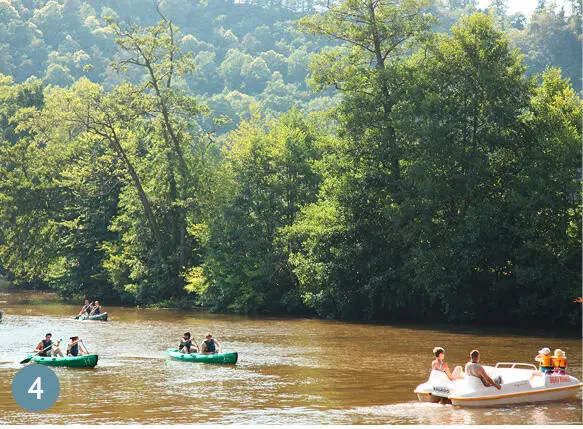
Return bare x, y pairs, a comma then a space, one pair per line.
96, 310
86, 308
209, 345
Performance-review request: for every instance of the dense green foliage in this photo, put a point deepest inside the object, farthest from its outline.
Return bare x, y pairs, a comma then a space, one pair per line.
246, 52
423, 173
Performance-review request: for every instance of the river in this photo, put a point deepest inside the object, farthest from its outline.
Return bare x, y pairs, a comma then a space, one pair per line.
289, 371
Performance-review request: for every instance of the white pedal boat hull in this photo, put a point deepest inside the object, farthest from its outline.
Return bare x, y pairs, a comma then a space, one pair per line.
519, 386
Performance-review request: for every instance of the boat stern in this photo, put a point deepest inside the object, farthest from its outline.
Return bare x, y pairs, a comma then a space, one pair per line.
436, 389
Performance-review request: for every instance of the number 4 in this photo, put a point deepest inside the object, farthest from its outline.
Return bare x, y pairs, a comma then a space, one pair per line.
35, 388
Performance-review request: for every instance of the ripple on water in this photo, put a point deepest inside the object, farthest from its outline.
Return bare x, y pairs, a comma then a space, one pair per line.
290, 371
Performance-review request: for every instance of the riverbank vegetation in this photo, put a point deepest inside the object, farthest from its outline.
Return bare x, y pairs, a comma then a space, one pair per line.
369, 160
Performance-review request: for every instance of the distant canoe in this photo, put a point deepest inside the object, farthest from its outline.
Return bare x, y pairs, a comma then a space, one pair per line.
84, 361
224, 358
102, 317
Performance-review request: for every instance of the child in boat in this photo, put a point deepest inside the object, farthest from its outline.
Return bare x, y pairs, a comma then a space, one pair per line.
440, 365
208, 346
559, 361
186, 345
73, 347
46, 347
545, 360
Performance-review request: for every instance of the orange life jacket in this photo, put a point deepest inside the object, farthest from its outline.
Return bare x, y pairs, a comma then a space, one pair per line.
559, 362
544, 360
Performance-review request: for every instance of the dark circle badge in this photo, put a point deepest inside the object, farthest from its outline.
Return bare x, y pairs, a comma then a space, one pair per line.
35, 387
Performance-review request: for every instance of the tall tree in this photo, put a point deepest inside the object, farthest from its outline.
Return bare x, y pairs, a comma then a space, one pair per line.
266, 177
355, 272
467, 95
156, 51
544, 213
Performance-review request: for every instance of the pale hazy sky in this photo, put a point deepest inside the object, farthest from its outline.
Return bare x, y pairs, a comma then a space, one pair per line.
524, 6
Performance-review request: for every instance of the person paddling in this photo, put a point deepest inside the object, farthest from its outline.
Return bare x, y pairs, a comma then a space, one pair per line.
86, 308
186, 345
46, 347
96, 311
73, 347
209, 345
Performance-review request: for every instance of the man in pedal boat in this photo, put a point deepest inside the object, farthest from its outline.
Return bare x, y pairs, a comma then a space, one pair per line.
46, 347
186, 345
208, 346
477, 370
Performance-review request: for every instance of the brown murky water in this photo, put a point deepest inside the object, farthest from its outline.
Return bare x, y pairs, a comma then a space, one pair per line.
290, 370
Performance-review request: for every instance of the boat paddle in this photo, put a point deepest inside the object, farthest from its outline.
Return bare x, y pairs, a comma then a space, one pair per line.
28, 359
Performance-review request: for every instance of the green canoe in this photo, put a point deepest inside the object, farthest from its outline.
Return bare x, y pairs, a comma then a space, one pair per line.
228, 358
85, 361
102, 317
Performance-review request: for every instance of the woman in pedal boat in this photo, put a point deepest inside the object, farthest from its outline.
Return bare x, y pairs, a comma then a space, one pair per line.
209, 345
439, 364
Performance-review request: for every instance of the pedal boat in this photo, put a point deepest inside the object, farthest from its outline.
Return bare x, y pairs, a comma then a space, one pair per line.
521, 383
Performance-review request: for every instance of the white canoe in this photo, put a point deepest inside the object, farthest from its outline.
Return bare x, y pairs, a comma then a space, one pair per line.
521, 383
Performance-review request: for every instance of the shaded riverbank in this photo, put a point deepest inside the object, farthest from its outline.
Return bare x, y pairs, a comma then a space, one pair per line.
48, 297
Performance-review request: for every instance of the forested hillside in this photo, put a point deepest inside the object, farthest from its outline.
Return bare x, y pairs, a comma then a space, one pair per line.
247, 53
351, 159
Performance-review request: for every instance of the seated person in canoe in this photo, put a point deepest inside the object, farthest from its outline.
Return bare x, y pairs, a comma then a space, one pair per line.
96, 310
47, 348
209, 345
186, 345
439, 364
86, 309
73, 348
474, 368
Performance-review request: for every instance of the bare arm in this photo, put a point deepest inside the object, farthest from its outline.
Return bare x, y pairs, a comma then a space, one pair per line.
447, 371
488, 380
